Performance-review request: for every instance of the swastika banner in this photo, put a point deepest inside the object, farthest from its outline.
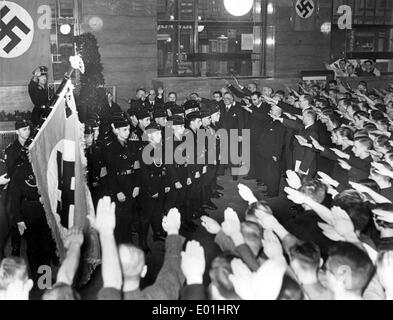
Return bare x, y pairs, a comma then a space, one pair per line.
59, 165
305, 14
24, 39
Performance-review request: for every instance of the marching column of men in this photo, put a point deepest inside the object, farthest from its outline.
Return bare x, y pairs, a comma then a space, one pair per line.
129, 162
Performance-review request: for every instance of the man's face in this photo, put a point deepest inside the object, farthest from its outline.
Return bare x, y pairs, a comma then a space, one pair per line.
228, 99
217, 97
216, 117
161, 121
141, 94
358, 122
255, 100
342, 65
43, 80
304, 104
152, 95
266, 91
275, 111
172, 97
368, 66
206, 122
24, 133
145, 122
361, 87
252, 87
194, 97
197, 123
350, 69
123, 133
178, 129
155, 137
358, 149
332, 86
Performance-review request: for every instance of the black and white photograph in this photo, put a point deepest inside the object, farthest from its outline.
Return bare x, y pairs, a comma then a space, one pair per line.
197, 154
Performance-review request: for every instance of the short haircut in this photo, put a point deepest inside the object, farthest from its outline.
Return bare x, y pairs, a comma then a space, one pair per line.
252, 232
366, 142
360, 113
359, 211
217, 92
172, 92
257, 206
12, 269
219, 275
310, 113
307, 254
315, 189
345, 132
309, 99
229, 94
132, 260
383, 142
140, 89
345, 254
257, 93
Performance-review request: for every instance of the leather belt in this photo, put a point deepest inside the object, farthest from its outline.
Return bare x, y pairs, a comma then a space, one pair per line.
125, 172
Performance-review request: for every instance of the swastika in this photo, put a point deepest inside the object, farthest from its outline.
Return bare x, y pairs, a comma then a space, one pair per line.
16, 30
7, 29
305, 8
66, 173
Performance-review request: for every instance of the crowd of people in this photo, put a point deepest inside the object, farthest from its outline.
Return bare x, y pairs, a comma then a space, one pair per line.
321, 155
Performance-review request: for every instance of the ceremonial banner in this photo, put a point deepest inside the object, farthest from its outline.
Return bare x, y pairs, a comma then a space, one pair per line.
59, 165
304, 14
24, 39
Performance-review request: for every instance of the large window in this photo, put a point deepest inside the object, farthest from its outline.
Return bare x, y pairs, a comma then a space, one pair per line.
64, 26
201, 38
371, 35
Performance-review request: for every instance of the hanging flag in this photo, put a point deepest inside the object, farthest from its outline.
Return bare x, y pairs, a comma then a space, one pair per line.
25, 27
304, 15
59, 165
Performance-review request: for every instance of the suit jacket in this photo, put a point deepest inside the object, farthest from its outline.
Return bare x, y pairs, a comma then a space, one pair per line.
271, 140
306, 156
232, 118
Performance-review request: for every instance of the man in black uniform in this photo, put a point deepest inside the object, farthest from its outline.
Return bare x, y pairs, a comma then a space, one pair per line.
13, 158
208, 167
4, 221
154, 186
95, 163
194, 123
121, 159
13, 151
178, 174
39, 95
29, 215
107, 111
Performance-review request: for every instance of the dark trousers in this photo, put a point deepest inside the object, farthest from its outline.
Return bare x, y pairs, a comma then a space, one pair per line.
152, 211
271, 175
124, 220
40, 247
4, 228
